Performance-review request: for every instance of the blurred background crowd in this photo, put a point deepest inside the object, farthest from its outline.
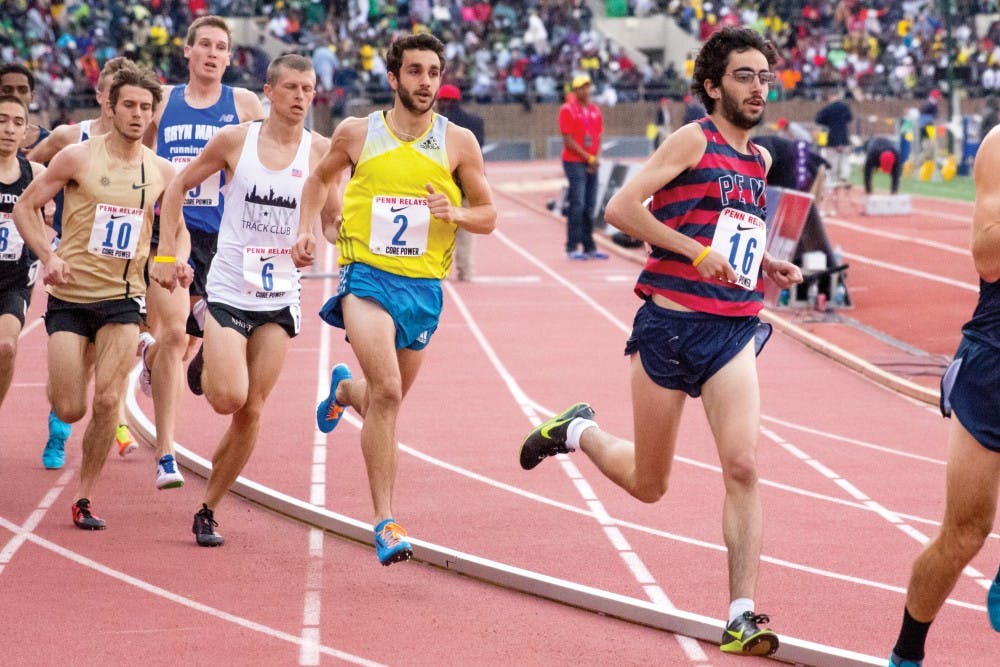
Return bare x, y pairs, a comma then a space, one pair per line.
513, 51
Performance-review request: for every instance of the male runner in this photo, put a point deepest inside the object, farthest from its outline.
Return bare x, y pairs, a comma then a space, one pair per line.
95, 278
54, 456
18, 266
401, 210
697, 331
17, 80
191, 114
253, 283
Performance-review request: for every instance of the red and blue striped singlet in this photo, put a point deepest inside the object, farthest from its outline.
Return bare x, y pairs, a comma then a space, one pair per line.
691, 204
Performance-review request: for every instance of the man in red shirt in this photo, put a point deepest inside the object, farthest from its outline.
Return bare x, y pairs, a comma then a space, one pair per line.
581, 125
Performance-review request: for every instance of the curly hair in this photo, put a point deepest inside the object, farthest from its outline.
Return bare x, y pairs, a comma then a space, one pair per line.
140, 77
420, 42
713, 58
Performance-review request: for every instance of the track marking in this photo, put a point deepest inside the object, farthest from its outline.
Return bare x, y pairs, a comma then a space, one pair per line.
312, 602
902, 238
911, 272
35, 518
152, 589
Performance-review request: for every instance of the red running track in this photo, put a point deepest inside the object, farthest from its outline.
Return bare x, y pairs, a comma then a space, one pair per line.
852, 483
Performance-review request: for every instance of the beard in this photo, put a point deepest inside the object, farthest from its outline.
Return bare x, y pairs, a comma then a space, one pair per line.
731, 112
409, 103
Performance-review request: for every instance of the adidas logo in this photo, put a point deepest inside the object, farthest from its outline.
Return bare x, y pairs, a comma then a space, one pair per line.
430, 143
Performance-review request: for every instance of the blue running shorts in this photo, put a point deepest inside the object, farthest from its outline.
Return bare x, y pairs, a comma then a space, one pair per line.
682, 350
969, 390
413, 303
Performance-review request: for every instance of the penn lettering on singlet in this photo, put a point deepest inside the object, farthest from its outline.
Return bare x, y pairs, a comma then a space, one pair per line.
107, 224
181, 135
387, 224
253, 269
17, 262
721, 203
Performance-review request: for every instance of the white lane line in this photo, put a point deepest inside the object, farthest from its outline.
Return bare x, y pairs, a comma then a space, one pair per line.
309, 653
888, 515
35, 518
691, 649
888, 266
902, 238
152, 589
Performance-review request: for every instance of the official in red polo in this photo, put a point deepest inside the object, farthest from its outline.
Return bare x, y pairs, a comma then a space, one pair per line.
581, 125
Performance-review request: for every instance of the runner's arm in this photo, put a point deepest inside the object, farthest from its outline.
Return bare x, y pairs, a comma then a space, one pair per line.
480, 216
47, 183
986, 209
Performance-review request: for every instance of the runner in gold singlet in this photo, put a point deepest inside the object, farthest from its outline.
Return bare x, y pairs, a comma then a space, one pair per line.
95, 279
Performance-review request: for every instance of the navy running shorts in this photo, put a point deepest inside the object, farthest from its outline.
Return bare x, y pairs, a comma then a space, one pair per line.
682, 349
413, 303
969, 389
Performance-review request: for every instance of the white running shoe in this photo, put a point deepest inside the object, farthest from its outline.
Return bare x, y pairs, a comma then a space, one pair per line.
167, 474
145, 376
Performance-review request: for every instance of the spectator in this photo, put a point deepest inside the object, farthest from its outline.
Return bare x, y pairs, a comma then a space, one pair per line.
693, 109
581, 125
882, 154
990, 116
836, 117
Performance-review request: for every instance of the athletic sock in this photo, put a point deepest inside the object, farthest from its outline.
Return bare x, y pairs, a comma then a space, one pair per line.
738, 607
576, 429
910, 644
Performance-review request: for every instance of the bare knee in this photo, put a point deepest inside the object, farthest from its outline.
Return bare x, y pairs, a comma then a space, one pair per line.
105, 403
385, 396
962, 541
172, 336
650, 491
8, 350
224, 400
740, 472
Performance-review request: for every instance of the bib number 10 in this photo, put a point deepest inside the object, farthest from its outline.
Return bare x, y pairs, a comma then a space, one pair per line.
119, 240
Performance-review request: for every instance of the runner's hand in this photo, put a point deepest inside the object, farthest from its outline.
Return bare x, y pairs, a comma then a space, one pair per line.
438, 204
716, 267
783, 274
56, 271
303, 250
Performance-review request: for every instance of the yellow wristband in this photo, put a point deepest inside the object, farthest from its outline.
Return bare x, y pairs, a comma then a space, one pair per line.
701, 256
591, 159
164, 259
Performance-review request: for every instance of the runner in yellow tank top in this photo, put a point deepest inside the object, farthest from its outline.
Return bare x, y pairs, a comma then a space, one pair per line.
401, 210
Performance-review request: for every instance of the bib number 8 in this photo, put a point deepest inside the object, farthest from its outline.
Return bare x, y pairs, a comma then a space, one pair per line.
4, 238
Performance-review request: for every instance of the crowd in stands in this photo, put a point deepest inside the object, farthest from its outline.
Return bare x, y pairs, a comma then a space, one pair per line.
520, 51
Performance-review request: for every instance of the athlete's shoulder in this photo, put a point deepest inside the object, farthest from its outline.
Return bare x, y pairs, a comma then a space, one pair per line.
248, 106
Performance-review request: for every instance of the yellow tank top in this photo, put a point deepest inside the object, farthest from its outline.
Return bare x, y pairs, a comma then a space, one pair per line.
107, 224
387, 224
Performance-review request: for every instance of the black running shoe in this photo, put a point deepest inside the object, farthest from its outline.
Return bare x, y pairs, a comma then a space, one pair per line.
83, 518
203, 528
549, 438
744, 637
194, 372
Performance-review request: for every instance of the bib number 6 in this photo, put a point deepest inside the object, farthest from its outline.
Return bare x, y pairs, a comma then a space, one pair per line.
744, 263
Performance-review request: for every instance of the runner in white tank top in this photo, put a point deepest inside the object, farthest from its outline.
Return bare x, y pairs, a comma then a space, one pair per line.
253, 268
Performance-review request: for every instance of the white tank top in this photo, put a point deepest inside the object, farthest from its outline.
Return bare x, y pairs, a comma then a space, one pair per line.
252, 269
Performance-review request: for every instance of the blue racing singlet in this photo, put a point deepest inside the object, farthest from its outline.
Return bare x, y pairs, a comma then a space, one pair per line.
181, 136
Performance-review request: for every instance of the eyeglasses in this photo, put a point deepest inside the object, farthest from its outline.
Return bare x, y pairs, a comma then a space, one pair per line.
746, 76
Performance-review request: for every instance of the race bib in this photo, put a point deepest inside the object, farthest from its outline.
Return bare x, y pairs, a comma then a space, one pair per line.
116, 231
741, 238
399, 226
206, 194
268, 273
11, 243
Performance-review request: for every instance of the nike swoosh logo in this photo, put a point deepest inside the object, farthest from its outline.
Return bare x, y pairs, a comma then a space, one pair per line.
548, 427
265, 259
393, 209
140, 186
119, 216
741, 228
